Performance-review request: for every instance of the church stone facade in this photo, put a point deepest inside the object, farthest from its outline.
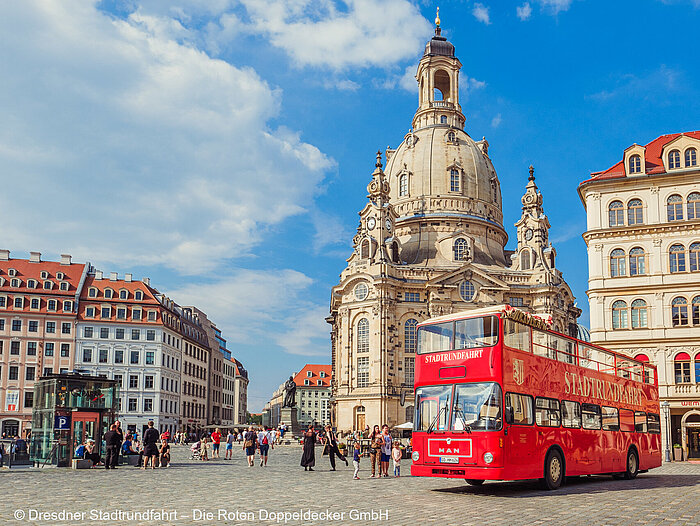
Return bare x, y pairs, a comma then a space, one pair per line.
431, 241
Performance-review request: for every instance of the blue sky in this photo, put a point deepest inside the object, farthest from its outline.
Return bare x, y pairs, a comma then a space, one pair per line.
222, 147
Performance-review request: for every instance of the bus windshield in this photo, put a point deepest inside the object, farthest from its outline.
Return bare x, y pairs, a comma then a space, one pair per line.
475, 407
461, 334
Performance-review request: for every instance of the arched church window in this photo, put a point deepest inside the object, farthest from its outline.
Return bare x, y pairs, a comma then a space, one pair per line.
409, 413
451, 137
467, 291
364, 249
443, 119
361, 291
461, 249
403, 185
409, 335
525, 260
363, 335
454, 180
395, 252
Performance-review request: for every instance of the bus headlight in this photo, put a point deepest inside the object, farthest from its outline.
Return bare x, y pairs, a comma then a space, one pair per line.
415, 456
488, 458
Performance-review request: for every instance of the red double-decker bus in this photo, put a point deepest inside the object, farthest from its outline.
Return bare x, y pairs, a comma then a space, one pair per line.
500, 396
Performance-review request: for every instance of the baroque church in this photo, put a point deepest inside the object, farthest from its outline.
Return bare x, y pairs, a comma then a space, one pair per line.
431, 241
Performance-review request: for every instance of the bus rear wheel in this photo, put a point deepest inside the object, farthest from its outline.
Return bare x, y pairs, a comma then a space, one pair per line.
553, 470
474, 482
632, 465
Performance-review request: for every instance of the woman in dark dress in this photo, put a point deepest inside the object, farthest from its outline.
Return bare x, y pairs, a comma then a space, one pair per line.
308, 459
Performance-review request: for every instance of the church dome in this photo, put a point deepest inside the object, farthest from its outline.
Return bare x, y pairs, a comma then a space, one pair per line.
439, 46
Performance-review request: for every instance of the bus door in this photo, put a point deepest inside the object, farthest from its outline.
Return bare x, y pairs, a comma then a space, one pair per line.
520, 434
432, 416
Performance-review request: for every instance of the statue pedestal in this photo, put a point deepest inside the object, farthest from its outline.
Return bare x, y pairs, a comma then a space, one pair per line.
288, 415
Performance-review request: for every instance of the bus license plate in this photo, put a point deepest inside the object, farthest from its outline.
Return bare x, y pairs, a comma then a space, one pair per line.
449, 460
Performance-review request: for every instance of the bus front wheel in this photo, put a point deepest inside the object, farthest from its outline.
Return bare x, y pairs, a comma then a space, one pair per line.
632, 465
553, 470
474, 482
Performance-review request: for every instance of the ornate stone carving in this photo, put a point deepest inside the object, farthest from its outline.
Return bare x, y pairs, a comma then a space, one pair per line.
654, 189
657, 242
598, 247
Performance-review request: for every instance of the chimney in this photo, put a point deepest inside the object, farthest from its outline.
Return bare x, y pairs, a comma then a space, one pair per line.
146, 281
98, 274
66, 259
4, 255
35, 257
113, 276
127, 277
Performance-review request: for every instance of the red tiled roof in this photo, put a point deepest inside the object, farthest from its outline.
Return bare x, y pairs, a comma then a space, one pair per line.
148, 302
315, 375
652, 158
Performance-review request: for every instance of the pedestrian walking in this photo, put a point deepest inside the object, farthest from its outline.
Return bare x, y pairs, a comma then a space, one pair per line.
113, 444
308, 458
385, 451
249, 441
215, 443
120, 435
356, 453
331, 445
375, 449
150, 447
396, 455
265, 442
229, 446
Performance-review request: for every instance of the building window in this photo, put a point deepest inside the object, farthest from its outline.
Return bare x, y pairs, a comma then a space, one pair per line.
674, 159
454, 180
639, 314
150, 358
103, 355
635, 164
635, 212
33, 326
695, 309
694, 205
443, 119
13, 373
47, 371
363, 371
150, 335
460, 249
413, 297
677, 258
92, 292
35, 303
48, 349
674, 207
682, 368
121, 313
135, 334
694, 257
148, 405
525, 260
467, 291
361, 291
138, 295
451, 137
616, 213
16, 325
105, 312
619, 315
364, 249
516, 302
132, 404
109, 293
104, 332
637, 262
65, 350
617, 263
410, 335
87, 355
148, 382
119, 334
679, 311
88, 332
136, 314
31, 348
90, 312
65, 328
134, 357
691, 157
403, 185
363, 335
123, 294
67, 305
133, 381
408, 368
29, 373
118, 356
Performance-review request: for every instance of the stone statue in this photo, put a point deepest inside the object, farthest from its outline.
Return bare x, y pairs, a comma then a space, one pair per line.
290, 391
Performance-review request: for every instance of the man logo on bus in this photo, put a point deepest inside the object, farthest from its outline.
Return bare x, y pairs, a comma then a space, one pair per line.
518, 372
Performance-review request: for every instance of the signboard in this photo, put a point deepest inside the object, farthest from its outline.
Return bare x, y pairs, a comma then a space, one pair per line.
62, 423
12, 400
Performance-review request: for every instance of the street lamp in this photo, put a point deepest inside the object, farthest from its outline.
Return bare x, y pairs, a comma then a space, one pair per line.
666, 406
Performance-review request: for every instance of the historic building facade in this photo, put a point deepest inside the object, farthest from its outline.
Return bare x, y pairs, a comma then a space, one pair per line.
643, 237
431, 241
312, 398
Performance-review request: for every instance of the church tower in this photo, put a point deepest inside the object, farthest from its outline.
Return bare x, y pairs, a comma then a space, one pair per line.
430, 240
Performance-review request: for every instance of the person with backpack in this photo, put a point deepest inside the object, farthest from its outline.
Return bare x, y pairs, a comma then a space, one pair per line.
249, 441
264, 443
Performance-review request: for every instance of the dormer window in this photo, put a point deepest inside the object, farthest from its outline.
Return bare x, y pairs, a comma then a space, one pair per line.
691, 156
460, 249
635, 164
322, 374
138, 295
64, 285
403, 185
123, 294
674, 159
319, 382
309, 374
31, 283
454, 180
11, 272
67, 306
14, 282
92, 292
109, 293
307, 382
51, 305
44, 274
48, 285
60, 275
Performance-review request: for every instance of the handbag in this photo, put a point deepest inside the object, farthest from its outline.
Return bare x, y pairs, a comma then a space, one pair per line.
248, 443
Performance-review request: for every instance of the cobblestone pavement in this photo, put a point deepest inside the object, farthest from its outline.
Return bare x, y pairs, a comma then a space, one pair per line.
667, 495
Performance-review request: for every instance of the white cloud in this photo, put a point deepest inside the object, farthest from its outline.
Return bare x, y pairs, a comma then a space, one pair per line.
524, 11
261, 306
129, 146
555, 6
340, 33
481, 13
496, 121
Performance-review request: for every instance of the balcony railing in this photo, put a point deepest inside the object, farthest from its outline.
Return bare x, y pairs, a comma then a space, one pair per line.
442, 104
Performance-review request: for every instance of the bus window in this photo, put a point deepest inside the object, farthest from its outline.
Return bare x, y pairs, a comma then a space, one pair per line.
434, 338
547, 412
571, 414
541, 344
586, 355
432, 407
611, 420
521, 406
626, 420
640, 422
648, 374
565, 348
476, 332
591, 416
477, 406
516, 335
653, 423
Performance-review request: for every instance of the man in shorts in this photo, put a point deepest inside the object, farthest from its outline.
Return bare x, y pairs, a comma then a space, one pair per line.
229, 445
215, 441
264, 443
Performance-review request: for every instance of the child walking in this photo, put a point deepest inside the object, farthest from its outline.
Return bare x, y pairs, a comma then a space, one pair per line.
396, 455
356, 460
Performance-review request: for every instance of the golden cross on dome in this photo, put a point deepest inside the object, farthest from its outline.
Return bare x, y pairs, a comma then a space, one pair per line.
437, 17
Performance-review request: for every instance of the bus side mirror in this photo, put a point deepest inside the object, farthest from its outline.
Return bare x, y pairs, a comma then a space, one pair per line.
509, 415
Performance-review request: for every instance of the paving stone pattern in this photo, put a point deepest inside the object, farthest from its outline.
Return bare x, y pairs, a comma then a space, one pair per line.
667, 495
